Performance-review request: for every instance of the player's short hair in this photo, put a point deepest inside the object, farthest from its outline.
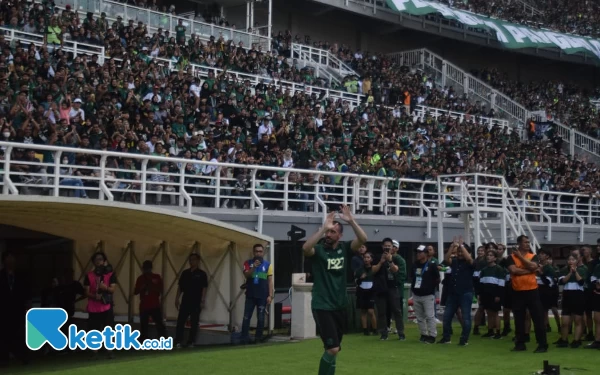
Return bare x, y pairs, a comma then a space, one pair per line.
340, 225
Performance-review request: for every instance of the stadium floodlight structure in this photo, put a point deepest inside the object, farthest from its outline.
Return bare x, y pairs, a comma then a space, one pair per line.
479, 197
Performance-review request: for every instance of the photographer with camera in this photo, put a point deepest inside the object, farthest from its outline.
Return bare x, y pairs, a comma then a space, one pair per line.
100, 285
388, 292
259, 292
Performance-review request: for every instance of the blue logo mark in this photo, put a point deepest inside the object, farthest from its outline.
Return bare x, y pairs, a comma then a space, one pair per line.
43, 325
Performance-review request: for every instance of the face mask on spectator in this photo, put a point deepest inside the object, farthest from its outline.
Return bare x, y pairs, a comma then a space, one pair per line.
6, 134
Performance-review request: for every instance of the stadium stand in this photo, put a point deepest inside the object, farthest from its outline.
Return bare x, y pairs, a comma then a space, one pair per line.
109, 87
567, 16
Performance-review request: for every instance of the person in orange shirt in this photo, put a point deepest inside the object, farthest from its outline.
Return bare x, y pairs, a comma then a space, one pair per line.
523, 266
407, 102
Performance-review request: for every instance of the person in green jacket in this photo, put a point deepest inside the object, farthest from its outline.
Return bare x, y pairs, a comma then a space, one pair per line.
492, 279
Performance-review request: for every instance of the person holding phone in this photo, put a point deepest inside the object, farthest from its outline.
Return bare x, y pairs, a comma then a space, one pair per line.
259, 292
387, 295
459, 290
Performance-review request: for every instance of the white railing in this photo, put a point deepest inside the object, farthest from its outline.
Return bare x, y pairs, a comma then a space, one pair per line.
197, 70
321, 71
446, 74
477, 191
76, 48
109, 176
422, 111
578, 143
288, 87
155, 20
322, 57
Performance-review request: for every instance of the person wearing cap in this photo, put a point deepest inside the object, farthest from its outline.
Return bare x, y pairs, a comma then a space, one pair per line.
385, 289
149, 286
425, 278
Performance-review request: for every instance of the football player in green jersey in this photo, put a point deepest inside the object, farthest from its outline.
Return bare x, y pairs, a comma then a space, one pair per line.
330, 259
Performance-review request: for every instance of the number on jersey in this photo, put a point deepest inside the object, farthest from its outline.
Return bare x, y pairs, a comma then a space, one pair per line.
335, 263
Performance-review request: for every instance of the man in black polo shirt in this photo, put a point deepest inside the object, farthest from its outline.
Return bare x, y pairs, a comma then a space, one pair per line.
192, 284
460, 291
425, 278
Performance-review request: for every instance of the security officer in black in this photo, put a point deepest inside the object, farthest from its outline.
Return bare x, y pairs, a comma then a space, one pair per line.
193, 283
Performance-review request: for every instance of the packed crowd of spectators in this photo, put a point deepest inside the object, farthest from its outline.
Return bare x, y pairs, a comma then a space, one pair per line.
49, 97
562, 101
581, 17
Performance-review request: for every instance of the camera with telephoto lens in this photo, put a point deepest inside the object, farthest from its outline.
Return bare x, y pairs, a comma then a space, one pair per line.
260, 259
106, 297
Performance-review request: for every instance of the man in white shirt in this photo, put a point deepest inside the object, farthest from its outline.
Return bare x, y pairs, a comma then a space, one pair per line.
265, 128
76, 114
153, 96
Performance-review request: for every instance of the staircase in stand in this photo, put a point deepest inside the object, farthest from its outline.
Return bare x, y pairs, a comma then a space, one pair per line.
326, 64
482, 206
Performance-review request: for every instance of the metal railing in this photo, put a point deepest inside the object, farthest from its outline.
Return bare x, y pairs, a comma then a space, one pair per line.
155, 20
187, 185
290, 87
197, 70
578, 143
422, 111
305, 59
445, 73
323, 58
77, 48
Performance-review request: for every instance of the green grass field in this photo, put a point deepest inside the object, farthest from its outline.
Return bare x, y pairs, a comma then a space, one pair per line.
360, 355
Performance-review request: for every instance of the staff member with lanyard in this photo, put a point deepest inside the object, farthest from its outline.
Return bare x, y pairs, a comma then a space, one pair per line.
259, 292
523, 266
425, 278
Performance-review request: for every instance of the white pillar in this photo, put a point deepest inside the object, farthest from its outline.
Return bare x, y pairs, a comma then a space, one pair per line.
270, 24
252, 15
303, 323
248, 25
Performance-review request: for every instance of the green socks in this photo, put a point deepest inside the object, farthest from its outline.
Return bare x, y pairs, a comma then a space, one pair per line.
327, 365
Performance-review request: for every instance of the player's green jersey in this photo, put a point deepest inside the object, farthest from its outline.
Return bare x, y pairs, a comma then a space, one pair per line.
329, 269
